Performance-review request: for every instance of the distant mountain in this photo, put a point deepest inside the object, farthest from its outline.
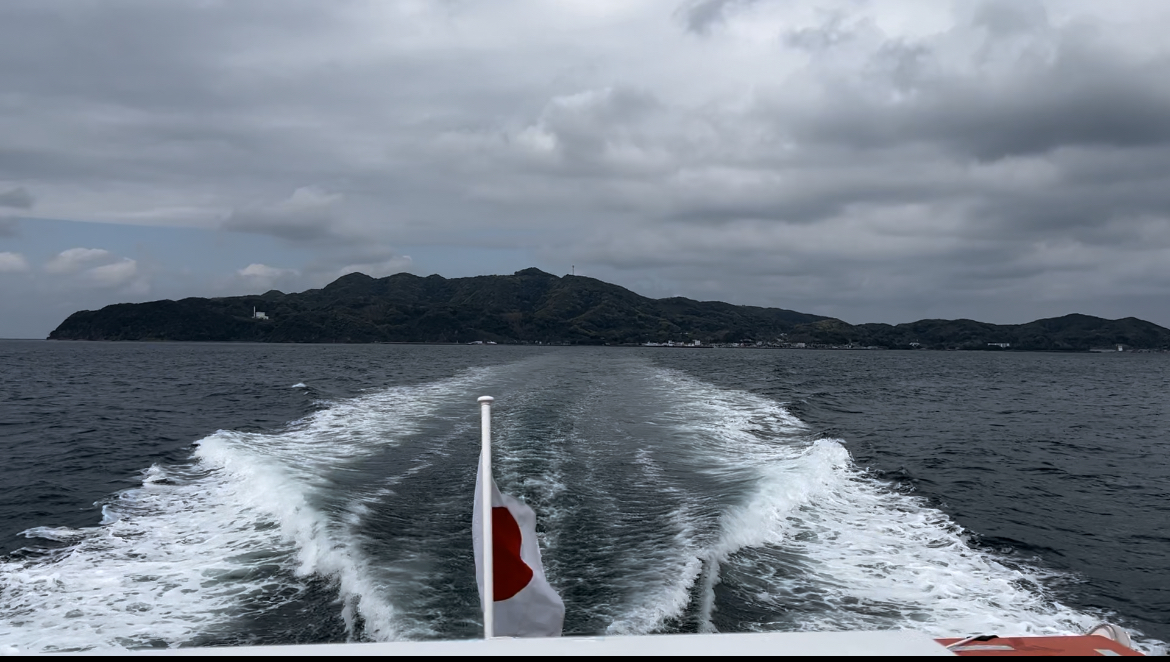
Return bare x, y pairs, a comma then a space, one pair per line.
1068, 333
533, 306
528, 306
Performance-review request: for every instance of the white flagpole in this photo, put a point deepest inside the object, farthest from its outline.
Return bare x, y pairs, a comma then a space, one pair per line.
489, 592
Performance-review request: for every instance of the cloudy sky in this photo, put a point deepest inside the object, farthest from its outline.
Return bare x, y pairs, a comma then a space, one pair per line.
874, 160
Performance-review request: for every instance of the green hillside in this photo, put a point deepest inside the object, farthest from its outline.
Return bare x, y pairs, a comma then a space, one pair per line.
533, 306
528, 306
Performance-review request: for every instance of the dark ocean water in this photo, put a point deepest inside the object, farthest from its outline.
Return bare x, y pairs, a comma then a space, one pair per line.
187, 494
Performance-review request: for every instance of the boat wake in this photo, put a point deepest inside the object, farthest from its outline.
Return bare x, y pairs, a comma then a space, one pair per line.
251, 528
816, 544
664, 503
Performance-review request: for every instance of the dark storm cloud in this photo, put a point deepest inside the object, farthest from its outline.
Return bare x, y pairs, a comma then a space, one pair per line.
17, 198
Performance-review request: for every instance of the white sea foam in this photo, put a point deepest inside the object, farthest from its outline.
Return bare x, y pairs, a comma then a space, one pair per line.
543, 465
233, 534
299, 385
513, 451
156, 571
665, 591
871, 556
195, 548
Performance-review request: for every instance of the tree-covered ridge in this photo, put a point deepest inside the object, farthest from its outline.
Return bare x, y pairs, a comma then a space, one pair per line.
528, 306
1068, 333
533, 306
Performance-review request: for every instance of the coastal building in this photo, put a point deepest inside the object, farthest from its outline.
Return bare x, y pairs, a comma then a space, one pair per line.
257, 315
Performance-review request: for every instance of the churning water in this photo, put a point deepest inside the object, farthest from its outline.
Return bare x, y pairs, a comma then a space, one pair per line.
281, 494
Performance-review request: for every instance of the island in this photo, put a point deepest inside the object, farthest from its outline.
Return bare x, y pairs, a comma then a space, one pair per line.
535, 307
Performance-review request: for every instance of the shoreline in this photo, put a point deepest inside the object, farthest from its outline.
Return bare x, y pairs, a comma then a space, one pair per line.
832, 348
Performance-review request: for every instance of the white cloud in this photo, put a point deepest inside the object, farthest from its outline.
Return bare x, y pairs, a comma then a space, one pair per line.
257, 276
74, 260
378, 269
265, 271
99, 269
12, 263
117, 274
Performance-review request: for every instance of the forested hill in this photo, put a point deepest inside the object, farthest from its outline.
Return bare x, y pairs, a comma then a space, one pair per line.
528, 306
533, 306
1068, 333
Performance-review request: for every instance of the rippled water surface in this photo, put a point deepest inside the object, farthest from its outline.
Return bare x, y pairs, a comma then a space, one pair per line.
184, 494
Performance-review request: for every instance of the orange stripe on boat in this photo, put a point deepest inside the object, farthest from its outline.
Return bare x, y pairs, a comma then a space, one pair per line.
1081, 645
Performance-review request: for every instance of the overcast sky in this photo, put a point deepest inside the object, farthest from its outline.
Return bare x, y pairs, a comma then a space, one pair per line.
874, 160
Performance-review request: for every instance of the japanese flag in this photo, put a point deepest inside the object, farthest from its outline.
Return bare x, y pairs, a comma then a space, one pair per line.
525, 605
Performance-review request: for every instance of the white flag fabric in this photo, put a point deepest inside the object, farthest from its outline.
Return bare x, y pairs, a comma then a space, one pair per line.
525, 605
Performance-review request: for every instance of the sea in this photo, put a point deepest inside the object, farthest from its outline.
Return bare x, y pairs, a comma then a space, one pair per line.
170, 494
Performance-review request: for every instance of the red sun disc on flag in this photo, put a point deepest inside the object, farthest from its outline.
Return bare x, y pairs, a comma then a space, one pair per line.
511, 574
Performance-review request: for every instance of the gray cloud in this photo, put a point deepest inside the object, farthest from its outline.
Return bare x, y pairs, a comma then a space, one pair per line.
818, 38
1055, 87
379, 267
12, 262
17, 198
1010, 17
74, 260
9, 227
307, 215
898, 160
256, 278
97, 269
701, 16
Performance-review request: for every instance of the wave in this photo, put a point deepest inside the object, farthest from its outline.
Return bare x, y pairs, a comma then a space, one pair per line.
666, 591
170, 561
247, 527
759, 525
817, 544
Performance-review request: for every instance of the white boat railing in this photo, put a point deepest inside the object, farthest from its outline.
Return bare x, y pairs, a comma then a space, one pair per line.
899, 643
